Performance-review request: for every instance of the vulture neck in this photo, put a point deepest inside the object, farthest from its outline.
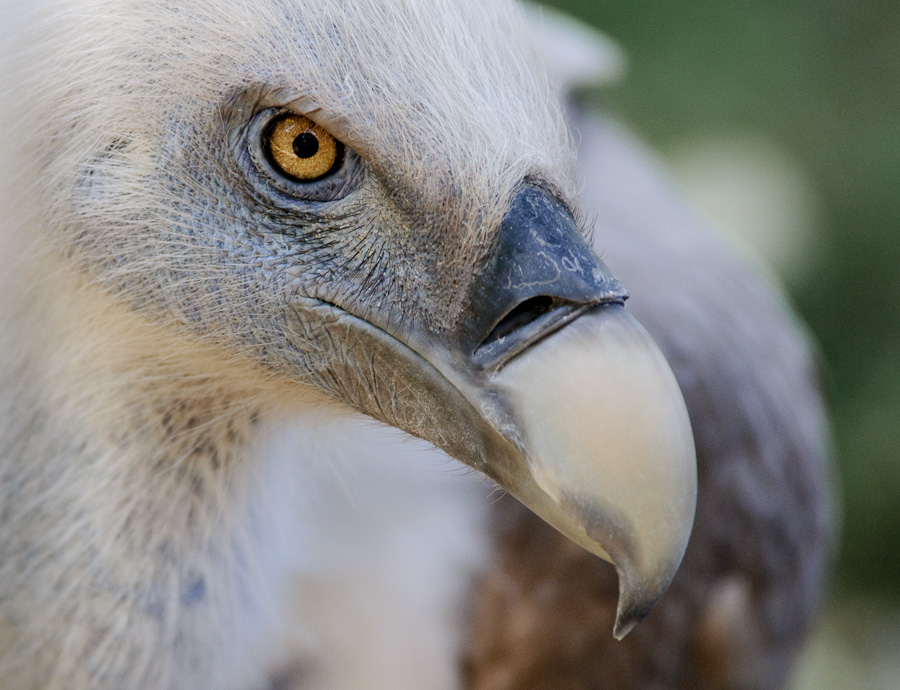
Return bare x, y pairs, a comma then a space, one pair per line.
133, 468
119, 437
100, 385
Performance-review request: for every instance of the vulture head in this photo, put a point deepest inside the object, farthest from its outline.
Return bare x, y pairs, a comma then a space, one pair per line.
369, 205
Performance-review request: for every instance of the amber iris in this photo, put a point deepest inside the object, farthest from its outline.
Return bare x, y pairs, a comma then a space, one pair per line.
300, 148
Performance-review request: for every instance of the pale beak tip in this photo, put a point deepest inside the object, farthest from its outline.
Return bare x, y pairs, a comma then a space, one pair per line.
629, 614
638, 594
625, 622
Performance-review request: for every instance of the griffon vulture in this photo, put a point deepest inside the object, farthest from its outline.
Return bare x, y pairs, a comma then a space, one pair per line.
229, 227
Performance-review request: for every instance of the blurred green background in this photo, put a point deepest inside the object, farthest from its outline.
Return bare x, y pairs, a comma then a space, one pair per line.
795, 105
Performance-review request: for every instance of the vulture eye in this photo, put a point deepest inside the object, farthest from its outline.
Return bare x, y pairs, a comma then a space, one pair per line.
301, 149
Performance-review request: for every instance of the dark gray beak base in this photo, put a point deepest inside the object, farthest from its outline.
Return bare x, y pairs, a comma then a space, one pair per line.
541, 275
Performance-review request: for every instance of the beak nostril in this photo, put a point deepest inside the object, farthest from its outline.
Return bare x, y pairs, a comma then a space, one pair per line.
521, 315
540, 275
525, 324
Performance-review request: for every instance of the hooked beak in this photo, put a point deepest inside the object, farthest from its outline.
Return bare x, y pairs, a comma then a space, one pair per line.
551, 389
598, 441
608, 451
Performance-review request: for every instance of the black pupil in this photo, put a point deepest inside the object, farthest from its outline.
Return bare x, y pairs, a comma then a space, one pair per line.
306, 145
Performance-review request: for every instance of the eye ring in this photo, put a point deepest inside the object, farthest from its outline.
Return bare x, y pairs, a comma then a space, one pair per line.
301, 150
